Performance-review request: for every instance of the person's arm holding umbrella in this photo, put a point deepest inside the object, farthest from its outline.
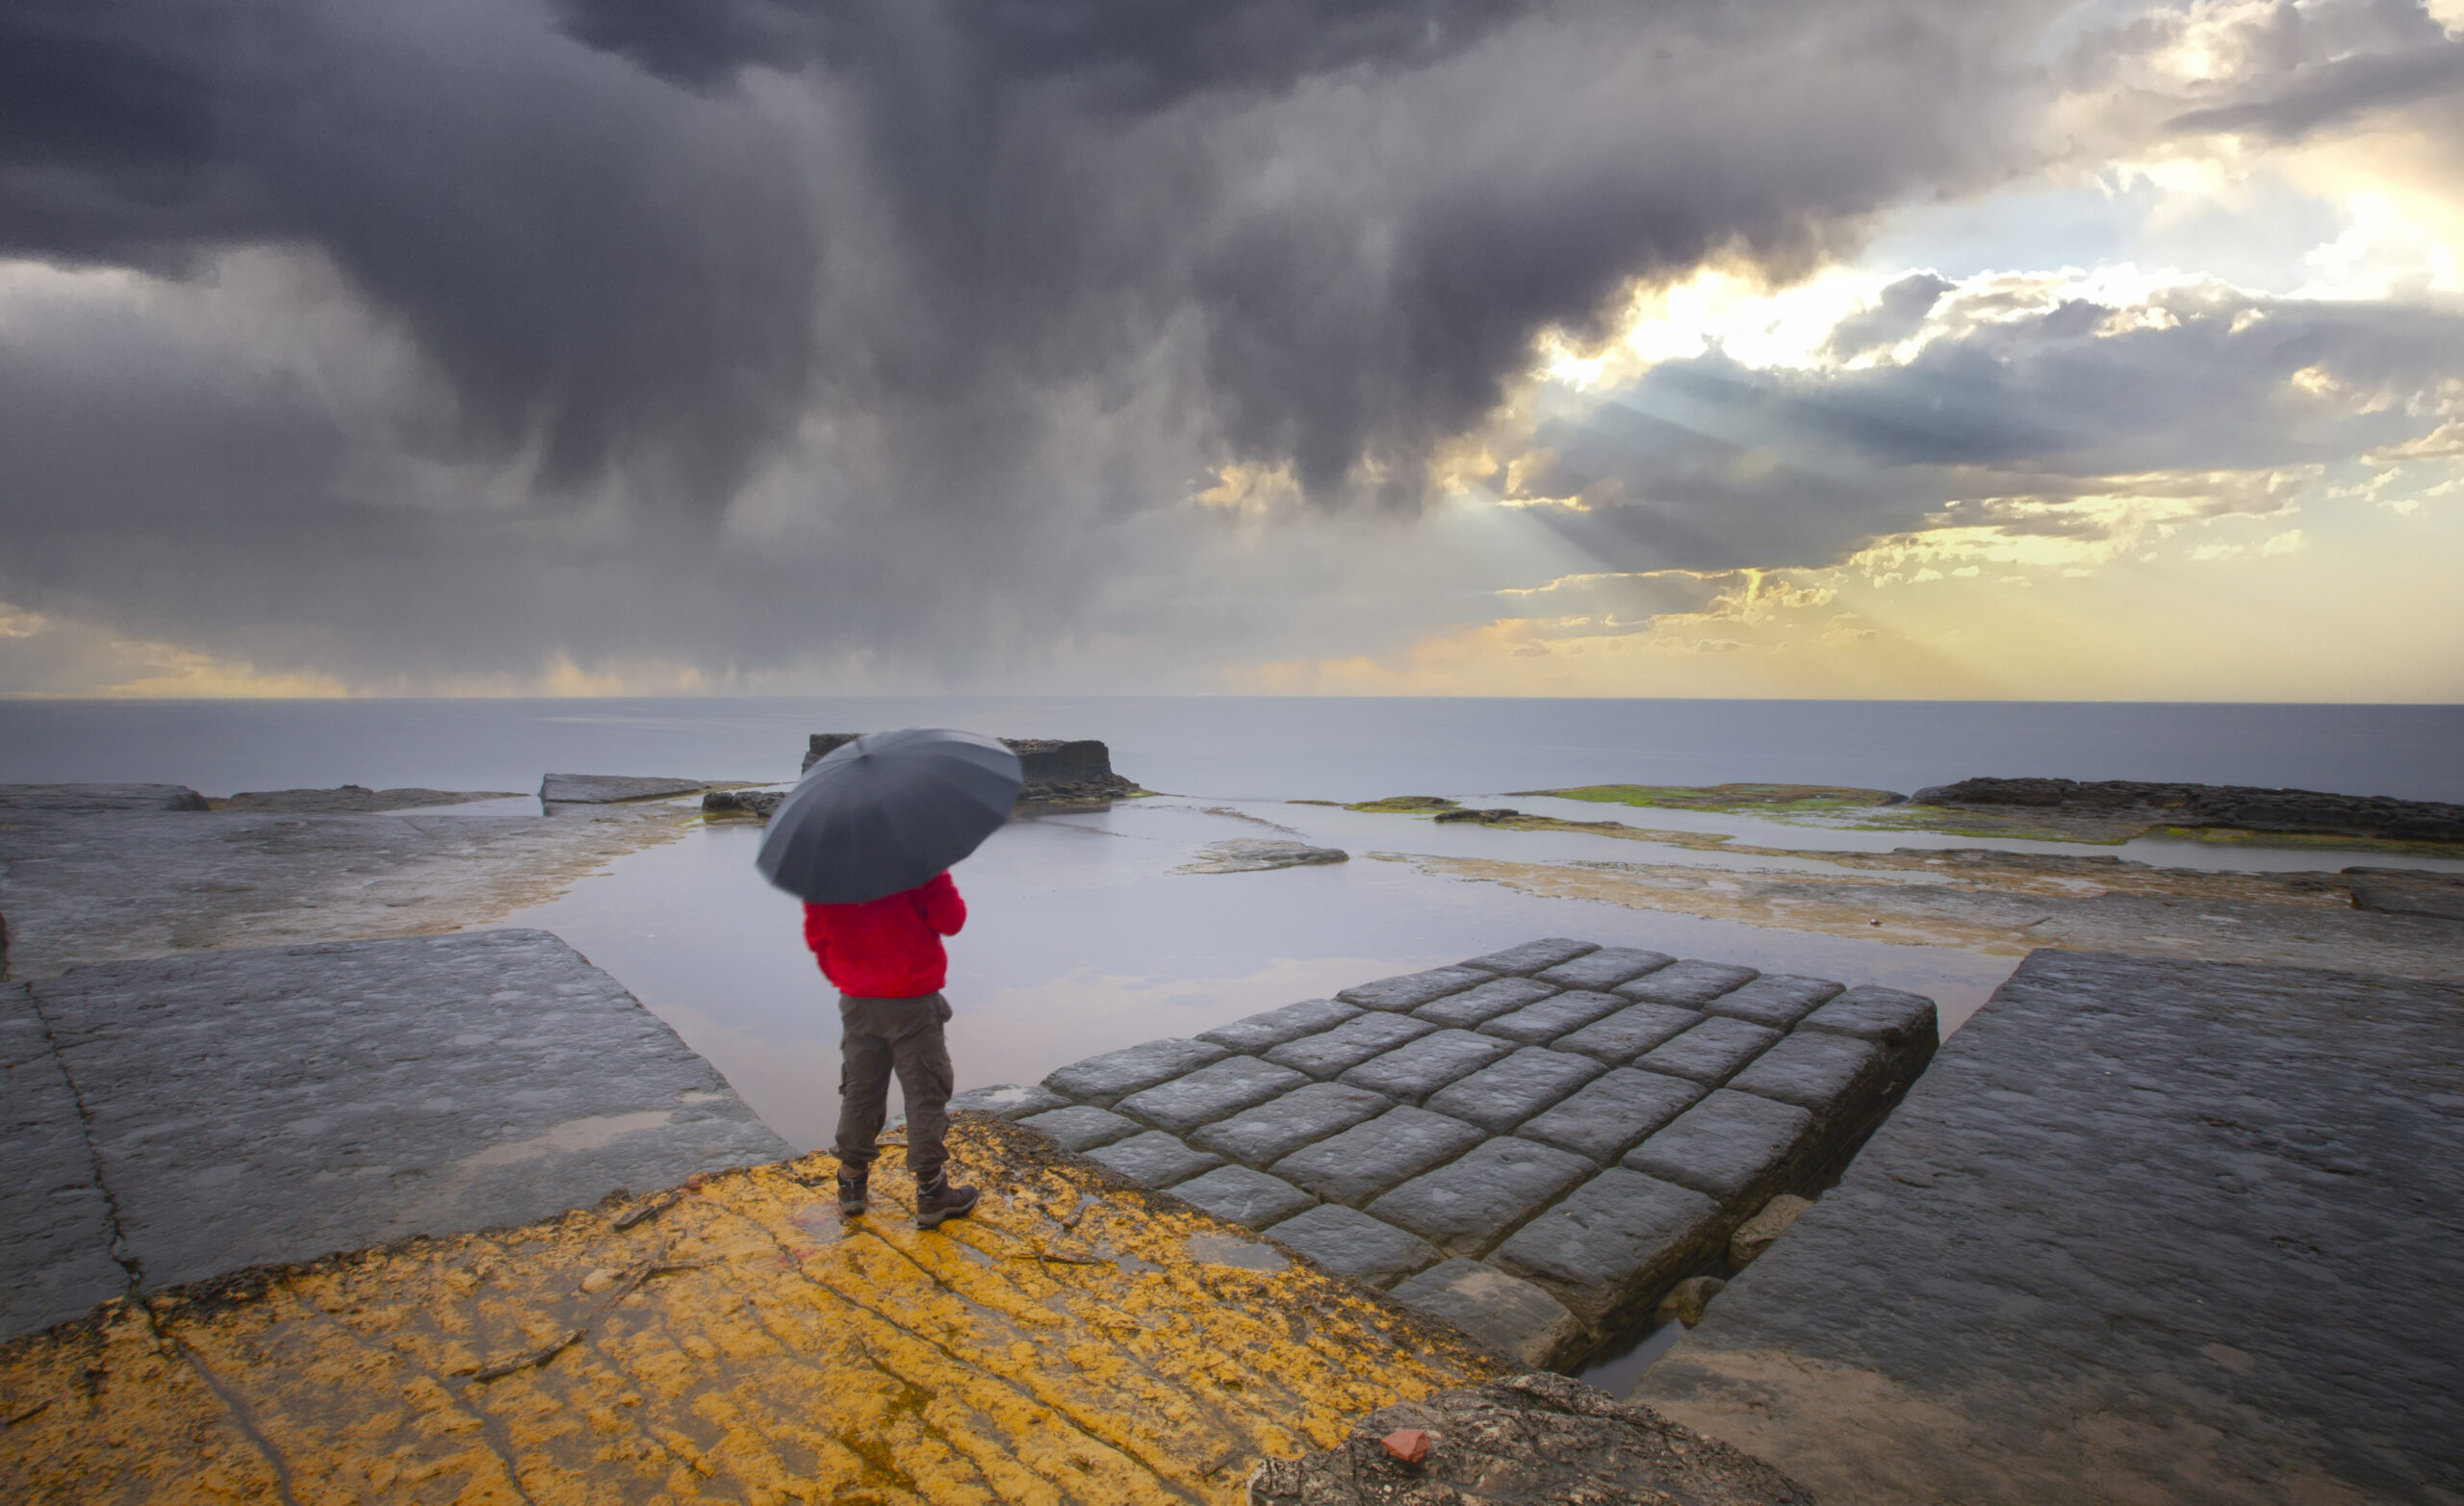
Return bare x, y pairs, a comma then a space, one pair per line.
867, 840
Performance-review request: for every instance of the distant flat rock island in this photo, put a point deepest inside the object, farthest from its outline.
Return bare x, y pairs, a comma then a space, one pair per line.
2242, 807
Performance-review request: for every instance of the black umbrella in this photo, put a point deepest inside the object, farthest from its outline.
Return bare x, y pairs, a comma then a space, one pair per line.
887, 812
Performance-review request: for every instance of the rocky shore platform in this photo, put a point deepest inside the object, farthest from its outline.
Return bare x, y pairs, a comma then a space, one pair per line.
2191, 806
2146, 1231
1532, 1145
173, 1119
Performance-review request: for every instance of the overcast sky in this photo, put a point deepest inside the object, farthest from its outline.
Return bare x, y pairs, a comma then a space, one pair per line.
1762, 347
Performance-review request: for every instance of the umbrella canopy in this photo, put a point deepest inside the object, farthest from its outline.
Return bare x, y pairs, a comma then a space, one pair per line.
887, 812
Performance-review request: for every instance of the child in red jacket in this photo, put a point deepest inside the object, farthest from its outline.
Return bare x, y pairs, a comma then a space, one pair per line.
885, 956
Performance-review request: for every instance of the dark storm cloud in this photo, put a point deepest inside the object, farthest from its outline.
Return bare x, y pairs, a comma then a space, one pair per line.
990, 281
1709, 465
2334, 92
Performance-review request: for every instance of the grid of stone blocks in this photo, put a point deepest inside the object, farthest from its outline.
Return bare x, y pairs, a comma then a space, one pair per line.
1532, 1145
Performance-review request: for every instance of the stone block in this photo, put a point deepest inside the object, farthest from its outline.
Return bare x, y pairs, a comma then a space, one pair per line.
1711, 1052
1776, 1000
1613, 1246
1154, 1158
1611, 1115
1760, 1232
1468, 1205
1503, 1095
1504, 1312
1368, 1159
1260, 1033
1411, 990
1106, 1080
1482, 1002
1541, 1024
1080, 1127
1605, 968
1329, 1053
1733, 1146
1532, 956
1008, 1100
1265, 1135
1887, 1015
1243, 1196
1210, 1094
1409, 1073
1688, 984
1828, 1074
1619, 1039
1348, 1242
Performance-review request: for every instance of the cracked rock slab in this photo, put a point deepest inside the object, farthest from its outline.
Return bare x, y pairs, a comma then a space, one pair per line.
1106, 1080
1154, 1158
1736, 1147
1711, 1052
1244, 1196
1466, 1206
1410, 1073
1080, 1127
1689, 985
1610, 1117
1506, 1093
1348, 1242
1542, 1023
1505, 1312
1605, 968
271, 1105
1210, 1094
1265, 1135
1619, 1039
1262, 1032
1330, 1053
1776, 999
1532, 956
1365, 1159
1615, 1244
608, 789
1482, 1001
55, 1222
1411, 990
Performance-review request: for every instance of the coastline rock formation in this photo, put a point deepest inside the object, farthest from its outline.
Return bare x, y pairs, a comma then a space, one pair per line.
355, 799
1257, 854
2243, 807
609, 789
1056, 770
96, 800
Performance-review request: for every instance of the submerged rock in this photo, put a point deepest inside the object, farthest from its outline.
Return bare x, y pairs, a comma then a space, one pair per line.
758, 804
1256, 855
356, 799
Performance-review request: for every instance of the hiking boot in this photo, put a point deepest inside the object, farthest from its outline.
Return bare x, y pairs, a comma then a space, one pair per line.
851, 1194
938, 1202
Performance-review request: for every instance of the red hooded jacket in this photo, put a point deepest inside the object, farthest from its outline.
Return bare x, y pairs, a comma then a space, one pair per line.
888, 948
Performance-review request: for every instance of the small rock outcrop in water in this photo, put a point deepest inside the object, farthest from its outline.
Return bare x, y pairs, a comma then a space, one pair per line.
1056, 769
96, 800
1257, 854
355, 798
742, 802
608, 789
2240, 806
1533, 1438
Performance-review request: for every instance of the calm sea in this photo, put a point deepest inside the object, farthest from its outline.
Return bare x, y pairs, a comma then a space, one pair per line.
1258, 748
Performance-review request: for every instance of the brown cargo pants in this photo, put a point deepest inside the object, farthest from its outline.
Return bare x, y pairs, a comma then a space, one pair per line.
879, 1037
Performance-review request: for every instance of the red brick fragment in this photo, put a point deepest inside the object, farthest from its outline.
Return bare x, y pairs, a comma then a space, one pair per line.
1409, 1444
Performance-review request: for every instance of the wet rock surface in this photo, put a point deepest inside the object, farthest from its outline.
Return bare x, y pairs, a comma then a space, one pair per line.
1259, 854
267, 1106
2407, 891
609, 789
56, 1225
1532, 1438
2145, 1231
354, 800
758, 804
1058, 771
2235, 806
1538, 1181
95, 800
